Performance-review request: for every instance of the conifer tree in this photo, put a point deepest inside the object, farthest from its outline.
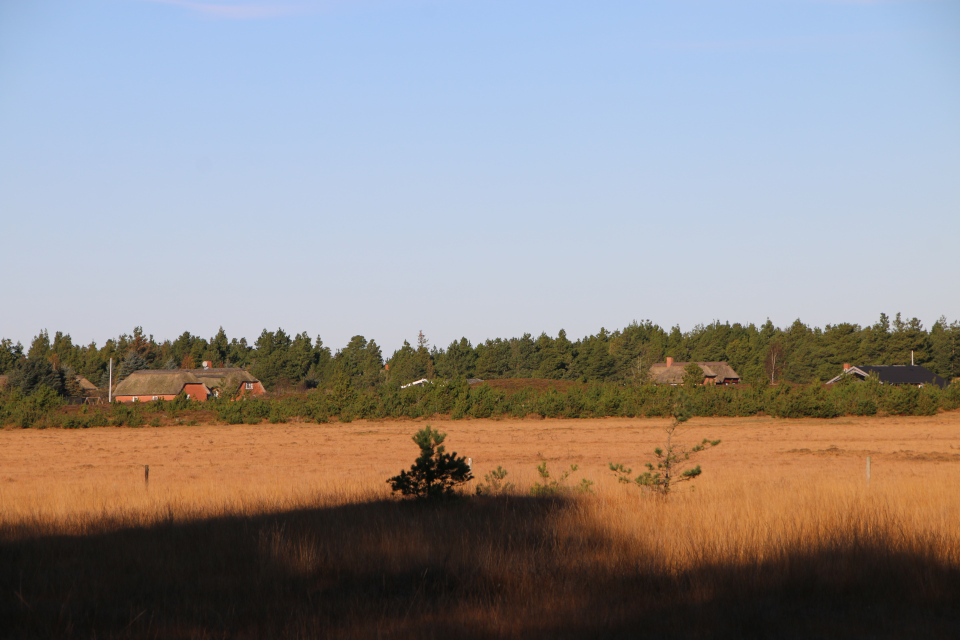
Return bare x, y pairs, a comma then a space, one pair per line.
435, 473
692, 375
133, 362
33, 373
671, 462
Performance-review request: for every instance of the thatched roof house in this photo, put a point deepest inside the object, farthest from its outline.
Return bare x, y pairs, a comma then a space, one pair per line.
233, 380
671, 372
146, 385
88, 388
198, 384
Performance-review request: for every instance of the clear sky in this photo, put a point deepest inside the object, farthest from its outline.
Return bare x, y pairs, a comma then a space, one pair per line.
478, 168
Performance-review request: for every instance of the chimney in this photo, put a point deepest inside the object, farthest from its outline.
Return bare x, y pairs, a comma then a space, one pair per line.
207, 364
669, 361
846, 365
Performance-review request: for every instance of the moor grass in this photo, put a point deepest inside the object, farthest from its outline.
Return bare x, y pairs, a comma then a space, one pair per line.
288, 531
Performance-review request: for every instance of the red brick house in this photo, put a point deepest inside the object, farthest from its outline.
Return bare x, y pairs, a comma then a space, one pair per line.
198, 384
147, 385
235, 381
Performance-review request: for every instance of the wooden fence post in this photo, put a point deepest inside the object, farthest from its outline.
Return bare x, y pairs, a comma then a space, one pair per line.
868, 470
146, 475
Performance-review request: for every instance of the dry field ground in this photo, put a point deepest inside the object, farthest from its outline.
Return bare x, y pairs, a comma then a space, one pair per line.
288, 531
54, 474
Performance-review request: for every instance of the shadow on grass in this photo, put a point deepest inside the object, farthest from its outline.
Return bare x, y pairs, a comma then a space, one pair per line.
508, 567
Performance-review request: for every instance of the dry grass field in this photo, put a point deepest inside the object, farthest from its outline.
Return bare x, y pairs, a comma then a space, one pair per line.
288, 531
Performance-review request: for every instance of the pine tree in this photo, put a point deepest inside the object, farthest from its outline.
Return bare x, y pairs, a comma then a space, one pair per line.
10, 355
133, 362
435, 473
692, 375
40, 347
671, 462
33, 373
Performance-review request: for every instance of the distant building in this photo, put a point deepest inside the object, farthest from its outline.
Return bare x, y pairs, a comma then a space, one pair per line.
240, 381
89, 389
198, 384
907, 374
147, 385
714, 373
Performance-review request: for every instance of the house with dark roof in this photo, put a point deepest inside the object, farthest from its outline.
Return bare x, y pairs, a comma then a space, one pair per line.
898, 374
198, 384
714, 373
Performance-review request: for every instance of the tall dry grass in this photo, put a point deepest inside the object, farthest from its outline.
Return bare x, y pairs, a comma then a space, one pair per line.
288, 532
762, 557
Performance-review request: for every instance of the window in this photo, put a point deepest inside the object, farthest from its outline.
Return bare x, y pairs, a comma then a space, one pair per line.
136, 399
248, 386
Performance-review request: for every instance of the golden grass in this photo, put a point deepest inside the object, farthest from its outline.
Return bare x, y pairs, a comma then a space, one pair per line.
288, 531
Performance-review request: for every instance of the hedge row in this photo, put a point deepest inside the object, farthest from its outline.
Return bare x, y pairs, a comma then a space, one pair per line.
458, 400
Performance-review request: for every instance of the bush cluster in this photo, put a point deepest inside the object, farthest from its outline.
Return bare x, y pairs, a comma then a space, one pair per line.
459, 400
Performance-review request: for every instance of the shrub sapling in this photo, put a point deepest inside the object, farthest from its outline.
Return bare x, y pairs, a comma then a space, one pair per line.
435, 472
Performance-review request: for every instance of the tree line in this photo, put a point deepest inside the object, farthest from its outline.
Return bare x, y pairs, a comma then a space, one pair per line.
458, 399
765, 353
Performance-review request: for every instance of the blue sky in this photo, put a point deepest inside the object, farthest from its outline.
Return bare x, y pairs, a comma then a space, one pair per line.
475, 168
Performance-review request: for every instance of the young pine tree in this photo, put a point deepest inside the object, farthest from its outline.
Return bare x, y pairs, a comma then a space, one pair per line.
671, 463
435, 472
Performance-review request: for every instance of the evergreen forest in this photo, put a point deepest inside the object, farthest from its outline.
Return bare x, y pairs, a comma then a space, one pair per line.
797, 354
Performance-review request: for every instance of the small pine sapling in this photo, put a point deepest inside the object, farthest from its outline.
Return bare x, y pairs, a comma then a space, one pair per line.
671, 462
494, 483
557, 486
435, 472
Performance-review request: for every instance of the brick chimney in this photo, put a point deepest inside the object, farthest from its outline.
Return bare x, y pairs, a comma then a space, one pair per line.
669, 361
846, 365
207, 364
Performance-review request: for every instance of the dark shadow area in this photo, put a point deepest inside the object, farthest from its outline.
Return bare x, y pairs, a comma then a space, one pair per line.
499, 567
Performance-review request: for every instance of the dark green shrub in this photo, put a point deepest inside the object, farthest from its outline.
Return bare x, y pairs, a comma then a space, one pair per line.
97, 419
179, 403
928, 402
461, 407
901, 401
230, 412
865, 407
121, 413
435, 473
484, 401
950, 398
575, 403
135, 418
